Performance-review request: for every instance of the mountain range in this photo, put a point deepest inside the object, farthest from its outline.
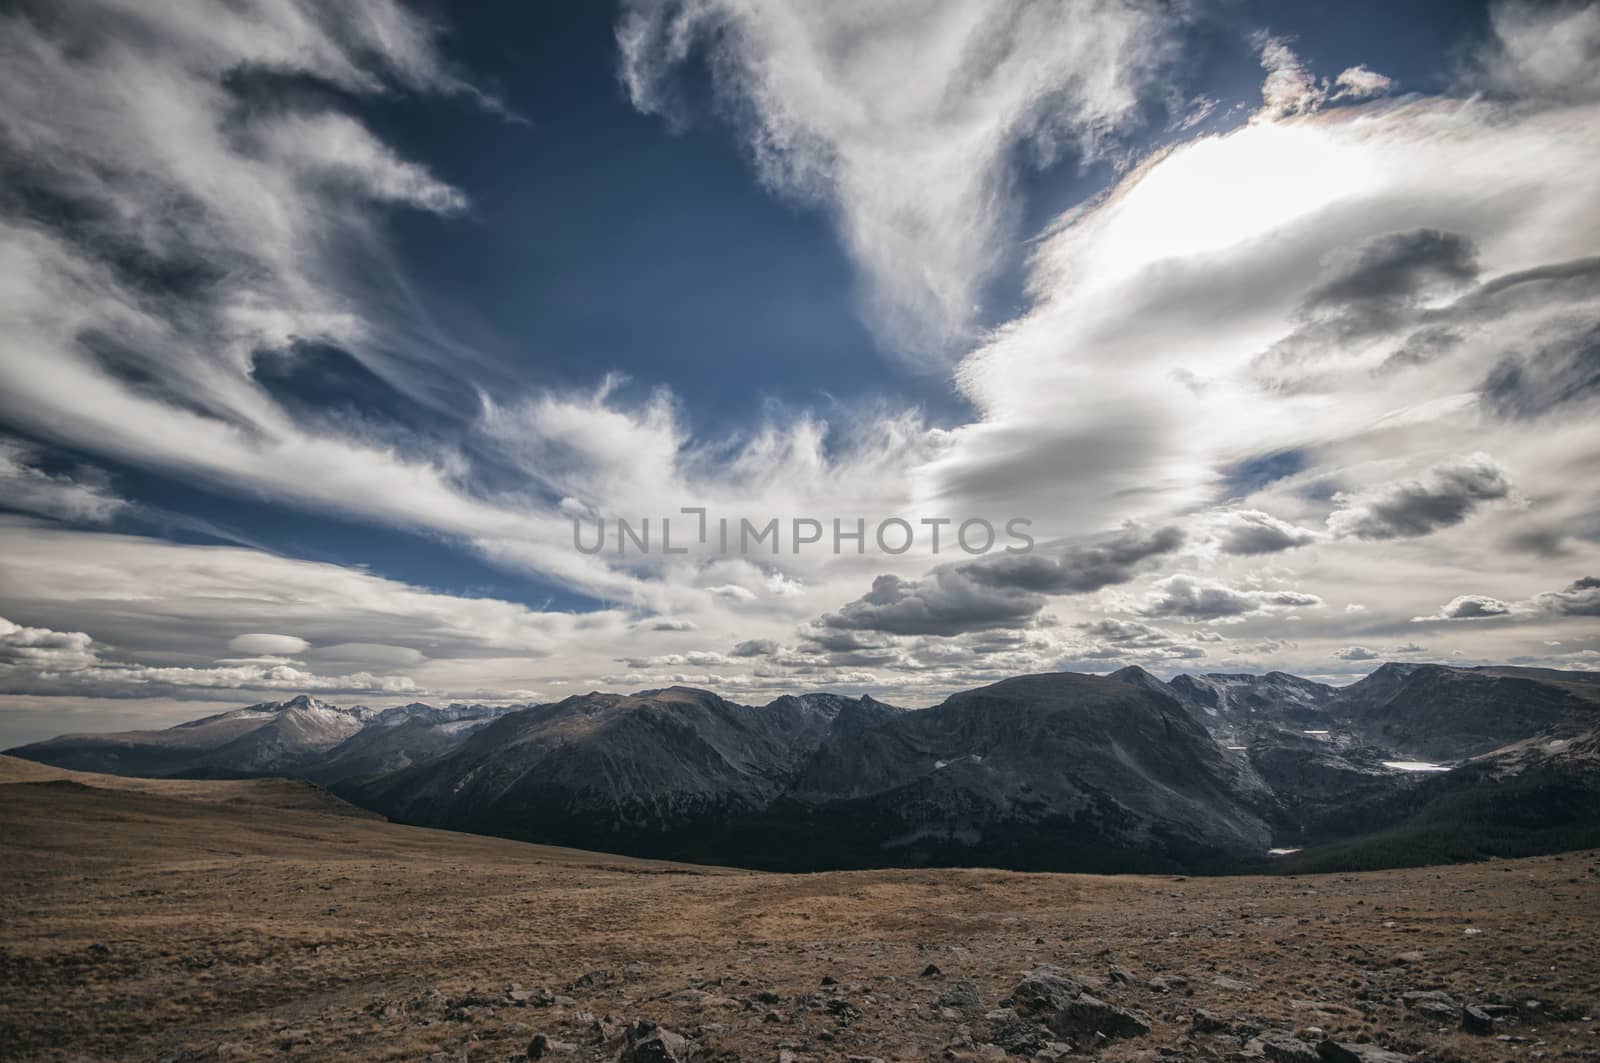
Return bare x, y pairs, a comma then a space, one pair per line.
1415, 763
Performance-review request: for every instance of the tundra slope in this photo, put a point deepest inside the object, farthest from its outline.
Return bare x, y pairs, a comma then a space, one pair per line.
199, 919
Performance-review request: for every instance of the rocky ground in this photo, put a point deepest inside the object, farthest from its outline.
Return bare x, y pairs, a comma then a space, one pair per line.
239, 920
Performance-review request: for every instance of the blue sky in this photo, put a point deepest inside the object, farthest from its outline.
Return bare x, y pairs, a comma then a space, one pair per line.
381, 299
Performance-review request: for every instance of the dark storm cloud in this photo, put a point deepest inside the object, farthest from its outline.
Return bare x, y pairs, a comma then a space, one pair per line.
1581, 598
1557, 282
947, 601
755, 648
1395, 267
1563, 371
1249, 532
999, 592
1189, 598
1423, 346
1540, 542
1078, 569
1375, 287
1112, 629
1117, 639
838, 639
1445, 495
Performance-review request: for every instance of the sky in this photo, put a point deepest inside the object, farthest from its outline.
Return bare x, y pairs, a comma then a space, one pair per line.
1211, 335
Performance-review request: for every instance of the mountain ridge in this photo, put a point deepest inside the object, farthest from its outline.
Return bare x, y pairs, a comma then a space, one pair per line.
1055, 771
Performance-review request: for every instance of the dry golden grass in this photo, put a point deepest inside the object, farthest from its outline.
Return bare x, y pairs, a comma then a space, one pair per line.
166, 919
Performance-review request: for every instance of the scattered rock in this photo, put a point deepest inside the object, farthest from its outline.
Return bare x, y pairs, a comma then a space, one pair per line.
931, 971
1018, 1036
1427, 996
589, 981
961, 995
543, 1045
1333, 1051
1477, 1021
1232, 985
843, 1010
429, 1000
1204, 1021
1282, 1048
1062, 1003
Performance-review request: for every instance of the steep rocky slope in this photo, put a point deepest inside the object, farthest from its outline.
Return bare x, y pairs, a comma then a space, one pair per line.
1439, 713
1054, 770
654, 772
1047, 771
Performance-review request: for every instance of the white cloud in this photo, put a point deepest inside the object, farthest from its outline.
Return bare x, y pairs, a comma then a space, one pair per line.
1544, 50
1251, 532
905, 120
41, 661
1131, 389
1446, 494
1289, 89
1359, 83
1469, 607
262, 643
23, 486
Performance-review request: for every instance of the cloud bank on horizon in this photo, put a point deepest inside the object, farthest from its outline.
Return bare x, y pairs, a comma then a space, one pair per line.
1305, 382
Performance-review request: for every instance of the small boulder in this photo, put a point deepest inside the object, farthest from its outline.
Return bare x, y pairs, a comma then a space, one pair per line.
1427, 996
649, 1043
1018, 1036
1062, 1002
1045, 990
1476, 1021
1088, 1016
